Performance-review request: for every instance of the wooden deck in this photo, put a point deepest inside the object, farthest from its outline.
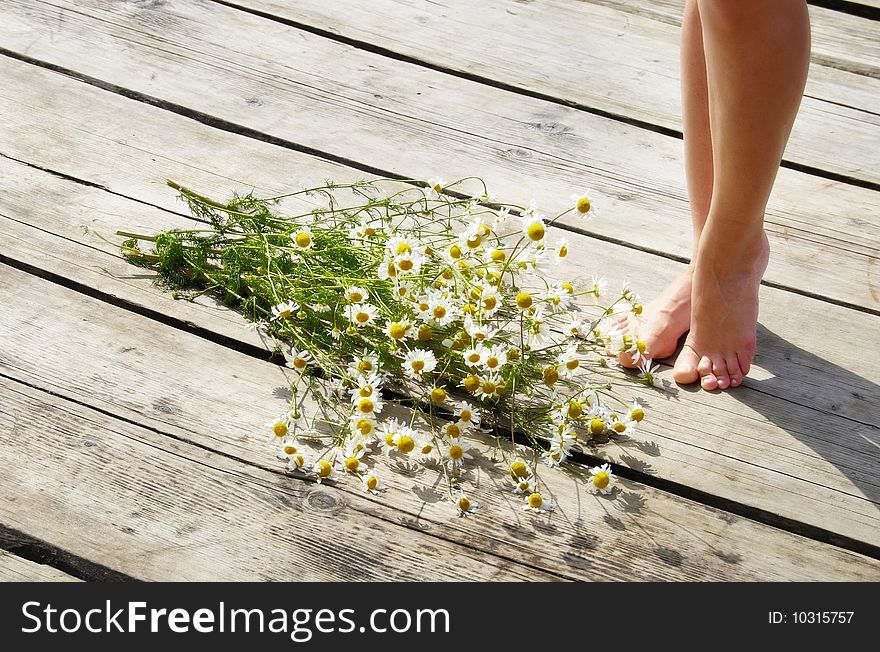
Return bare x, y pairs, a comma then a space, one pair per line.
118, 460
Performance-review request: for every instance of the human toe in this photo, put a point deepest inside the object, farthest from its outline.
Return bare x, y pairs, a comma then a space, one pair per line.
722, 375
685, 371
733, 370
708, 380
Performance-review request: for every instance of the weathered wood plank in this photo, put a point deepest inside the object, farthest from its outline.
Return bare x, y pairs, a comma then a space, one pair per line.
618, 61
810, 411
160, 509
363, 106
15, 569
195, 505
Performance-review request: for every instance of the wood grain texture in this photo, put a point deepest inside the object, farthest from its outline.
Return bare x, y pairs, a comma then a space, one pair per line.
416, 122
16, 569
809, 411
615, 58
189, 464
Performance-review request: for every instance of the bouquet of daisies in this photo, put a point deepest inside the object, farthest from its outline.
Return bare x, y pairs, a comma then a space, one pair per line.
389, 293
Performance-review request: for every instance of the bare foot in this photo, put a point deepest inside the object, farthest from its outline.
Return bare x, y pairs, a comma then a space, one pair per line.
724, 314
663, 321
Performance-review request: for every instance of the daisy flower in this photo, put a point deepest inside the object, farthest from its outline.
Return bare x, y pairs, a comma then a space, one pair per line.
477, 331
399, 245
458, 452
568, 360
364, 364
279, 427
575, 328
287, 449
561, 250
636, 412
602, 480
538, 330
298, 360
490, 300
533, 227
418, 362
405, 440
435, 187
453, 430
356, 294
538, 504
441, 311
492, 386
303, 238
409, 263
466, 506
583, 204
362, 314
502, 215
558, 297
475, 355
362, 426
368, 386
523, 486
600, 286
372, 483
387, 269
368, 406
468, 415
388, 432
284, 310
495, 357
323, 470
397, 330
349, 459
366, 228
649, 371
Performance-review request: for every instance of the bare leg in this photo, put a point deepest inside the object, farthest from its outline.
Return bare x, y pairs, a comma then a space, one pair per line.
757, 56
668, 316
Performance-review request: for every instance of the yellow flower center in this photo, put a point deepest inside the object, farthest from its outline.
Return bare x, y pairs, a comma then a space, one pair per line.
391, 270
575, 409
513, 354
471, 383
550, 375
427, 448
642, 346
403, 248
456, 452
439, 312
438, 395
535, 501
535, 232
397, 330
289, 449
437, 188
568, 287
284, 314
280, 429
583, 205
524, 300
423, 306
637, 309
362, 317
466, 415
619, 426
298, 460
464, 503
474, 357
417, 365
468, 308
405, 444
455, 251
372, 483
364, 426
389, 438
425, 333
474, 241
498, 256
324, 469
637, 414
355, 297
523, 485
448, 274
365, 391
489, 387
303, 239
366, 406
352, 463
573, 364
601, 479
489, 303
369, 230
365, 366
405, 265
299, 363
453, 430
519, 469
597, 426
492, 362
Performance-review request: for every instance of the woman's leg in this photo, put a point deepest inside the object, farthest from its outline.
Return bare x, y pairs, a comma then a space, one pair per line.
757, 56
668, 316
